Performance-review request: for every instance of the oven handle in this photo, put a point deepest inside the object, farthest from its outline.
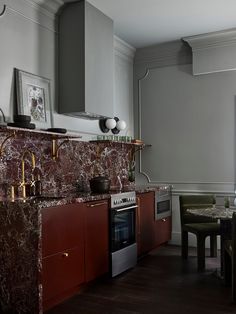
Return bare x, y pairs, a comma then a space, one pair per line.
123, 209
97, 204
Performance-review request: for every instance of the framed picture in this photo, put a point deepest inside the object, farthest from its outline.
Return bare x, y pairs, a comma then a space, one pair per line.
33, 98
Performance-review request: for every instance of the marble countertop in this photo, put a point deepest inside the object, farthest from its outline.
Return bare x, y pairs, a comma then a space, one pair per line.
217, 212
71, 198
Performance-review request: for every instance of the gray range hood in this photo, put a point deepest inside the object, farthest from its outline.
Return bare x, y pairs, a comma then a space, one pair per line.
85, 62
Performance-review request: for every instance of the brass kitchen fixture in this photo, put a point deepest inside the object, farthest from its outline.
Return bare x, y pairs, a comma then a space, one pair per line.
6, 139
23, 184
56, 147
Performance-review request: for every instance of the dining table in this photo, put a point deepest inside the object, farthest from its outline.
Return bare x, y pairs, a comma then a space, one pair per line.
224, 217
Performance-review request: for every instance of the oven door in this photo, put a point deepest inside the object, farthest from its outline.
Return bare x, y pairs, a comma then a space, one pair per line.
163, 207
122, 227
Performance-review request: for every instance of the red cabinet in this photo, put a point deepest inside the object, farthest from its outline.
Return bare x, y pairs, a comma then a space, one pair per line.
150, 232
62, 272
62, 228
96, 239
163, 230
63, 252
145, 222
74, 248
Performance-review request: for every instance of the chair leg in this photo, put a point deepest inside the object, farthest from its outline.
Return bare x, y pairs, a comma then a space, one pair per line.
213, 246
227, 271
184, 247
201, 253
233, 279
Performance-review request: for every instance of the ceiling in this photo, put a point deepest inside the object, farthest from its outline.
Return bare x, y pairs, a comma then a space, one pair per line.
146, 22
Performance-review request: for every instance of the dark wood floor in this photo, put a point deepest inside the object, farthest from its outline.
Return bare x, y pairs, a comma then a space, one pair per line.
161, 283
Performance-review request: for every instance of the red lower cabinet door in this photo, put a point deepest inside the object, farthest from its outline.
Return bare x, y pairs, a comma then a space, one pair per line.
163, 230
62, 272
146, 222
96, 240
62, 228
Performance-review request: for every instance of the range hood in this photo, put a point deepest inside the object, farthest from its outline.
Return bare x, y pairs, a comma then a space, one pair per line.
85, 62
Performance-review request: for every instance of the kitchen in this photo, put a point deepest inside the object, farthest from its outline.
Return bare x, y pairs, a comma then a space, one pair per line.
29, 34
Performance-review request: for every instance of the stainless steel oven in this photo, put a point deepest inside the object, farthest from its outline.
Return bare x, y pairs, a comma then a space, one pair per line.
163, 202
123, 247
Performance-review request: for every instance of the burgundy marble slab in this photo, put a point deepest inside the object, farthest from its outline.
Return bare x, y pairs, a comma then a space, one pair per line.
77, 162
20, 258
20, 222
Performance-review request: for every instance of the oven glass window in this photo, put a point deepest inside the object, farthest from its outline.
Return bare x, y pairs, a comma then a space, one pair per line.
163, 206
123, 229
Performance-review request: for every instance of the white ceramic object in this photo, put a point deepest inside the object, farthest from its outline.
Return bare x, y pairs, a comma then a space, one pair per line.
121, 125
110, 123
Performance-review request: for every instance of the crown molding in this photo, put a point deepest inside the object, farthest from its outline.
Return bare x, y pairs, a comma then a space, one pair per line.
213, 52
52, 6
170, 53
123, 49
212, 40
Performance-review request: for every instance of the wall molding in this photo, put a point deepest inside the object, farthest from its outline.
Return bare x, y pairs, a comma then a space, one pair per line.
123, 49
213, 52
3, 10
212, 40
48, 25
171, 53
31, 11
50, 7
218, 185
176, 192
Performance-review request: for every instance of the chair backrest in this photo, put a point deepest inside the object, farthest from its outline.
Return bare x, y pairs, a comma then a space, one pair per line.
194, 201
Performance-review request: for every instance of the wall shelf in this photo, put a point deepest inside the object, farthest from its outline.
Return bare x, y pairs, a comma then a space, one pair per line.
135, 146
68, 135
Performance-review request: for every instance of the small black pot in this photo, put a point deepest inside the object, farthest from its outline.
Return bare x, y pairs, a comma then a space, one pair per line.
22, 118
99, 184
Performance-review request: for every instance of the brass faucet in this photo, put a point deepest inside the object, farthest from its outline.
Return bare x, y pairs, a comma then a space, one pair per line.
23, 183
56, 147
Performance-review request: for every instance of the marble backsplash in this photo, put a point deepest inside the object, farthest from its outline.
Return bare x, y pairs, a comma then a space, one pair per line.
77, 162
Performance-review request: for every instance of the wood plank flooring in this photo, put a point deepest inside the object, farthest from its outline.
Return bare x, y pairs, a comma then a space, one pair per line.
162, 283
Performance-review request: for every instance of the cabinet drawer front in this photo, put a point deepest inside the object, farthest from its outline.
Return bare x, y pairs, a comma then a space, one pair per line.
61, 272
163, 230
62, 228
96, 240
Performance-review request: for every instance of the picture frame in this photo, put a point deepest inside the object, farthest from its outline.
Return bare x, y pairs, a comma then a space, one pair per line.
33, 98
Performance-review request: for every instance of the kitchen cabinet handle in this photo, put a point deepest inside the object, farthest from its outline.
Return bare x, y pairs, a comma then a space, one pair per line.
164, 219
65, 254
124, 209
97, 204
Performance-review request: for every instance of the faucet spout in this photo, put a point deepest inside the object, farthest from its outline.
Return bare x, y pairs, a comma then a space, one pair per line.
32, 156
120, 183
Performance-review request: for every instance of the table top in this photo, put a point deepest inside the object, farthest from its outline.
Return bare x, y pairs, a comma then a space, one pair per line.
213, 212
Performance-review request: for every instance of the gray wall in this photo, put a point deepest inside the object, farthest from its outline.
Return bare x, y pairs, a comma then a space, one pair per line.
28, 36
189, 121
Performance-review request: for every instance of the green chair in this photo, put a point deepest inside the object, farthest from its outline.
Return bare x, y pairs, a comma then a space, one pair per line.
229, 263
201, 226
